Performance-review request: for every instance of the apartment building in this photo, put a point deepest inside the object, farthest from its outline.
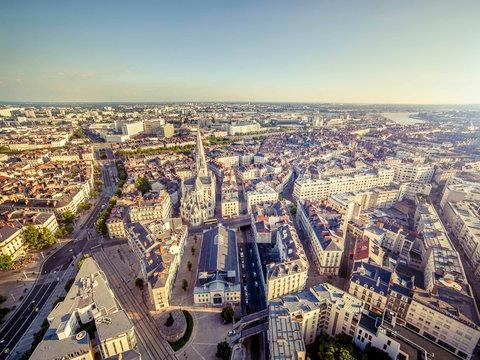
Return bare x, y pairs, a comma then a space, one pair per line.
159, 246
131, 128
230, 205
12, 225
308, 188
155, 206
12, 241
370, 283
457, 189
89, 301
370, 332
352, 203
325, 239
449, 319
463, 220
411, 189
289, 273
285, 335
116, 222
320, 309
261, 193
244, 127
413, 172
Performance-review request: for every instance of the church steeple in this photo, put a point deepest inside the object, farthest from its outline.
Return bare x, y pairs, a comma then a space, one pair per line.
200, 162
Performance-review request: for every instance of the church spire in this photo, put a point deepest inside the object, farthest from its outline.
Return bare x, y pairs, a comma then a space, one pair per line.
200, 162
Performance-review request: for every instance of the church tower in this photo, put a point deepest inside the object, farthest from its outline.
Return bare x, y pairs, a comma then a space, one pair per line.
200, 162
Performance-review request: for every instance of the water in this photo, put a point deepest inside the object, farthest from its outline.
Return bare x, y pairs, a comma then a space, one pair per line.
402, 118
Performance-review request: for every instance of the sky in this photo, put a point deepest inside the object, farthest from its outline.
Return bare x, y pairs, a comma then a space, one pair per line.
345, 51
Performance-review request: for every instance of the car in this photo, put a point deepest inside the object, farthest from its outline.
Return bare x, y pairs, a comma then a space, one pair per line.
254, 274
231, 332
256, 284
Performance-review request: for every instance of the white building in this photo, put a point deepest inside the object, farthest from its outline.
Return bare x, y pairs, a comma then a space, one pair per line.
132, 128
218, 274
159, 247
89, 300
325, 239
313, 189
413, 172
370, 332
320, 309
245, 127
289, 273
262, 193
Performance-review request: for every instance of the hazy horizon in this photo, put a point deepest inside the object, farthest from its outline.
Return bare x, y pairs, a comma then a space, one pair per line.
351, 52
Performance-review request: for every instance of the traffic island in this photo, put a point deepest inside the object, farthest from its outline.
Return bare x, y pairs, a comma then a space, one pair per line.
172, 330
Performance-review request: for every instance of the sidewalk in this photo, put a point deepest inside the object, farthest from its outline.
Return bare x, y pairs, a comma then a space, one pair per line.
179, 296
14, 285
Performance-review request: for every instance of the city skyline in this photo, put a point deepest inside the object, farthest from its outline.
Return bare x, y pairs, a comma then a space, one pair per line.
380, 52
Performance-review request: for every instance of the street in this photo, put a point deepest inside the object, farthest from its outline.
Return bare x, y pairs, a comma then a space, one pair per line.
82, 241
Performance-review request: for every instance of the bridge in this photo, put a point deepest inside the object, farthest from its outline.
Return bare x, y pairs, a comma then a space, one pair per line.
235, 222
248, 319
246, 333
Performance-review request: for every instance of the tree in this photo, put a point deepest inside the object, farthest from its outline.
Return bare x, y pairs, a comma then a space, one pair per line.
82, 259
84, 205
189, 265
193, 250
101, 223
223, 351
345, 354
184, 284
293, 209
143, 185
48, 239
37, 239
6, 262
63, 232
31, 236
68, 217
227, 314
139, 283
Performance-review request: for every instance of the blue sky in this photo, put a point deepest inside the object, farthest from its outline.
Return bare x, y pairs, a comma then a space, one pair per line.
320, 51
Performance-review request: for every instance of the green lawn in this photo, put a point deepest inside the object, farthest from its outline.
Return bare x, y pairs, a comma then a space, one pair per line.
177, 345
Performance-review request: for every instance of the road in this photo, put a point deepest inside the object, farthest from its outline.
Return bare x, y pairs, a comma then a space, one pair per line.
252, 287
25, 313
